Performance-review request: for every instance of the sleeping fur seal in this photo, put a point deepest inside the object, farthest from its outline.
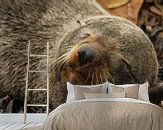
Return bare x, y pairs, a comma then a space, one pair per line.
84, 49
107, 49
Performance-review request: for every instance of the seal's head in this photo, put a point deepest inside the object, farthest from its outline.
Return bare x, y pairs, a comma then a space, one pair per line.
106, 49
88, 61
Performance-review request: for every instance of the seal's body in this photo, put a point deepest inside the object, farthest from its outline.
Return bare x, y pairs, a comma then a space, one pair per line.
83, 49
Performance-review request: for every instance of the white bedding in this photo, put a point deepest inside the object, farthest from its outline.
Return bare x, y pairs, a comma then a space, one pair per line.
106, 114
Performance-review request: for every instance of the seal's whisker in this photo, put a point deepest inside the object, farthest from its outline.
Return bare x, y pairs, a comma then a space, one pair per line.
57, 65
101, 78
95, 77
66, 57
59, 68
62, 59
110, 77
67, 48
60, 62
106, 78
92, 78
88, 76
104, 74
62, 56
97, 81
67, 60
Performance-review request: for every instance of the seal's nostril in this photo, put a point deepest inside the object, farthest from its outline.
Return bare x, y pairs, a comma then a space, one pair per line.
85, 55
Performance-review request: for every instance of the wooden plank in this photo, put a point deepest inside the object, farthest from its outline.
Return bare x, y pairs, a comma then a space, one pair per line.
1, 124
18, 126
39, 124
33, 55
37, 71
6, 125
13, 126
36, 105
22, 125
37, 89
19, 117
30, 125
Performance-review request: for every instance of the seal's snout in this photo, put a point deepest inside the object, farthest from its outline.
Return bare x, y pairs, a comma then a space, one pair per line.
85, 55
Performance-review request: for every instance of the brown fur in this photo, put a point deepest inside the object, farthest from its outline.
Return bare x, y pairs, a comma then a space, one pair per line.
37, 21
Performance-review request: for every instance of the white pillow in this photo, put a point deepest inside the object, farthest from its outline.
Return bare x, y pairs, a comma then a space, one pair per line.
143, 90
71, 93
103, 95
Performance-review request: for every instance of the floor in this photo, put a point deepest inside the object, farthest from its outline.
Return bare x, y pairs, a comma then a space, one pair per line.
16, 121
17, 126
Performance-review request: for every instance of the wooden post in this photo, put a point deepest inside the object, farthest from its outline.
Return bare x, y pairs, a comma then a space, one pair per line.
26, 87
47, 110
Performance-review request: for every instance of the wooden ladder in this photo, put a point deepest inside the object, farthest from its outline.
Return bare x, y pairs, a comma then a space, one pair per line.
27, 79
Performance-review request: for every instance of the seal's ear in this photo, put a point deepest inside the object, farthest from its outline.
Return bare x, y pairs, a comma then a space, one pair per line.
81, 23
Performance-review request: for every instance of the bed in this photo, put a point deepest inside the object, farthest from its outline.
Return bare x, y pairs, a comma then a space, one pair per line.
106, 114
